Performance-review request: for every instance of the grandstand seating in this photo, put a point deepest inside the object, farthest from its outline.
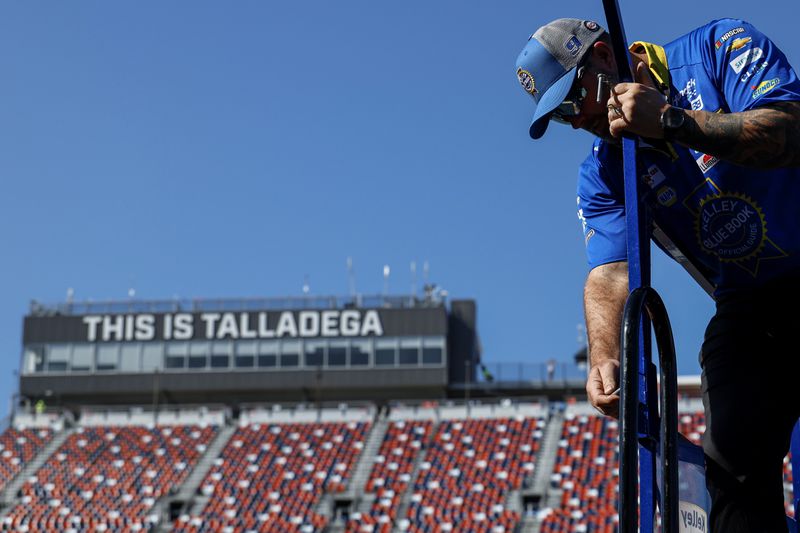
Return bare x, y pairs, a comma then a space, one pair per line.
108, 478
586, 470
391, 474
468, 472
692, 425
17, 447
270, 477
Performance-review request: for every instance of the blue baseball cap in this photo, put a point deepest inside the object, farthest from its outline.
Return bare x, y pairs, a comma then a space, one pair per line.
547, 66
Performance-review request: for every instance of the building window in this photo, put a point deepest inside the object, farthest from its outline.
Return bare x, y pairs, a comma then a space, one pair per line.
129, 357
221, 354
82, 358
176, 355
385, 352
198, 355
268, 354
58, 358
360, 352
107, 357
337, 353
34, 359
152, 356
315, 353
290, 354
432, 351
245, 354
409, 352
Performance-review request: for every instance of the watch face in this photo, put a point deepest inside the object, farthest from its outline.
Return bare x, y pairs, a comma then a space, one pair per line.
674, 118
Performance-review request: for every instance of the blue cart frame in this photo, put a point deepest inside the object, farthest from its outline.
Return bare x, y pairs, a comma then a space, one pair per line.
643, 432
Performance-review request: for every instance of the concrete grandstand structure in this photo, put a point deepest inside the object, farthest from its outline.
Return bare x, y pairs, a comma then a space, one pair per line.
308, 415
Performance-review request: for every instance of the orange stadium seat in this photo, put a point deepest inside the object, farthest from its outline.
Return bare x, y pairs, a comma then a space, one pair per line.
270, 477
108, 478
17, 448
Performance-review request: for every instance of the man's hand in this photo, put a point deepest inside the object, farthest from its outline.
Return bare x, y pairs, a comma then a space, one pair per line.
604, 299
602, 386
636, 107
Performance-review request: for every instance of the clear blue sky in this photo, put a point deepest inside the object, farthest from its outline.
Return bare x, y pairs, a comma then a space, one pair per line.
223, 149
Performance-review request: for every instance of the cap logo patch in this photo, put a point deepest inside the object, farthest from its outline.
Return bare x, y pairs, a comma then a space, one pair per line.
527, 81
591, 25
573, 46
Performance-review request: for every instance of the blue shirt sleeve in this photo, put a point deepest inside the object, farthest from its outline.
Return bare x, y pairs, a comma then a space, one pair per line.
601, 211
749, 69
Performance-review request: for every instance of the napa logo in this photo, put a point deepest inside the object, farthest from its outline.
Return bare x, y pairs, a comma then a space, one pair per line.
765, 86
667, 196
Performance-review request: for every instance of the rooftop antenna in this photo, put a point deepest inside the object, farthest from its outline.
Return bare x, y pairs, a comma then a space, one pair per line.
426, 270
351, 277
581, 329
306, 286
413, 279
386, 272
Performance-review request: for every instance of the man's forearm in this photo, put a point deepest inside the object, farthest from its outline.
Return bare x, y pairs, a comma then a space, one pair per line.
604, 299
766, 137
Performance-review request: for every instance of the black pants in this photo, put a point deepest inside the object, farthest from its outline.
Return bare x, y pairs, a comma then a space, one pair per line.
751, 362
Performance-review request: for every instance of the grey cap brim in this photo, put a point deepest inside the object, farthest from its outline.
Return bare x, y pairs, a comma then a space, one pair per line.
550, 100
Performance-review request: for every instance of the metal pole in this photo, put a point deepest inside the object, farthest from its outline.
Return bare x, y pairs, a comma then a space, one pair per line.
638, 254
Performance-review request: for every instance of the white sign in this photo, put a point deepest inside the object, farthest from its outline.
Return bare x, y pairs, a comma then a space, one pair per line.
211, 326
692, 519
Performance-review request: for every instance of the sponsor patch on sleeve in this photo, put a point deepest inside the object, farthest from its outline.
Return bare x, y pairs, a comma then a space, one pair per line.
654, 177
742, 60
726, 36
738, 44
753, 70
667, 196
705, 162
764, 87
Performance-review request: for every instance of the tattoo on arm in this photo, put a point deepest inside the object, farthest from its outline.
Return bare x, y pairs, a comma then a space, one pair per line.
766, 137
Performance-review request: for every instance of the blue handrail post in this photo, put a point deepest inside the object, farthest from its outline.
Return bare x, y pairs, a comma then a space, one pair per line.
638, 248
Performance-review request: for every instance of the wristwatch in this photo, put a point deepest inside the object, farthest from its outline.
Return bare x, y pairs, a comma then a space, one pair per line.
672, 120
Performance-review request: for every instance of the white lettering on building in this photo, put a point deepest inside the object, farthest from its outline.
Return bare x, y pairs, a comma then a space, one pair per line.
244, 325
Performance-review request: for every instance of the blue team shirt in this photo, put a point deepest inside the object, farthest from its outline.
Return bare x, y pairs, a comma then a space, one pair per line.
742, 225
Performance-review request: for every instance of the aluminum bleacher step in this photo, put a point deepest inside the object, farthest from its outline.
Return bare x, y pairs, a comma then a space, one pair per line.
405, 500
198, 474
9, 495
355, 486
546, 458
354, 492
188, 492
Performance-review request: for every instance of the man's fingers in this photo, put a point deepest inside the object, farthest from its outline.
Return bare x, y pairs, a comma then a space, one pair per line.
642, 75
607, 405
602, 381
610, 378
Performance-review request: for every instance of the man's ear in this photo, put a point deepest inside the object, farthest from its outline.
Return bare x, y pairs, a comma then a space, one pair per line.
603, 56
